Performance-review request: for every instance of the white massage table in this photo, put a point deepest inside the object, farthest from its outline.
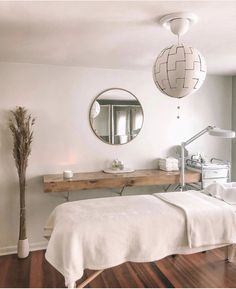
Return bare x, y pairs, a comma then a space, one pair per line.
100, 233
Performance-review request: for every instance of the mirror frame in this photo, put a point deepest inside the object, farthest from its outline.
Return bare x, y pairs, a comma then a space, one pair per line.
97, 96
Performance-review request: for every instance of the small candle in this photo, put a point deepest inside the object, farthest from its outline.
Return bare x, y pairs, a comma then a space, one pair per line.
67, 174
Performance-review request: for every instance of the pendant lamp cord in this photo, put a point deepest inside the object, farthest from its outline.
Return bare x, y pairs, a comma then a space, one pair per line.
178, 109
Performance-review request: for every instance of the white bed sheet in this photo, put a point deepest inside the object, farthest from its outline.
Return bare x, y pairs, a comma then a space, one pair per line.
105, 232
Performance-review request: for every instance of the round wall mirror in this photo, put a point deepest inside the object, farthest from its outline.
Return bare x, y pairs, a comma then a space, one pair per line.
116, 116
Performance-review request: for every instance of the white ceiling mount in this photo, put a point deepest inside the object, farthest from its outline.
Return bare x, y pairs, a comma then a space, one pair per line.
178, 23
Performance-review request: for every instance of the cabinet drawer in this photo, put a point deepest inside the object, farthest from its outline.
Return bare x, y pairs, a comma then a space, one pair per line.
208, 182
220, 173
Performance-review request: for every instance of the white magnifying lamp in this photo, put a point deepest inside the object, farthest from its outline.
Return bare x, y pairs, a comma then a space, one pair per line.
211, 130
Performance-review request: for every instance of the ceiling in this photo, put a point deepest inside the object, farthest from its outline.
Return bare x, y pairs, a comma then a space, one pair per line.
113, 34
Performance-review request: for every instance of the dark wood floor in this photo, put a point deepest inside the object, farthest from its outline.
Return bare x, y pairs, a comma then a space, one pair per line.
197, 270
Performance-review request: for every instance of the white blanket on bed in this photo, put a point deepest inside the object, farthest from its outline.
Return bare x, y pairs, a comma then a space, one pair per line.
101, 233
209, 221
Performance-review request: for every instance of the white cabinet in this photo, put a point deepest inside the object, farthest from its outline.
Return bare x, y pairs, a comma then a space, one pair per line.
213, 172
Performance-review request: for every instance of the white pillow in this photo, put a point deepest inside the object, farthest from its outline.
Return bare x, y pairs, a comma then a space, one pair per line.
214, 190
225, 192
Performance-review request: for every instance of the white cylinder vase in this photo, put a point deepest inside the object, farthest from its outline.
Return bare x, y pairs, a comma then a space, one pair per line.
23, 248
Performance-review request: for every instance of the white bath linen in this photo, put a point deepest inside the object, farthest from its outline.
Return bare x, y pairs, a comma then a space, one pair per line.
168, 161
169, 168
225, 192
105, 232
168, 164
209, 220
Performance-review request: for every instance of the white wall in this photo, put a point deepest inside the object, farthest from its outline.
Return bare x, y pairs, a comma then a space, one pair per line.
60, 97
234, 128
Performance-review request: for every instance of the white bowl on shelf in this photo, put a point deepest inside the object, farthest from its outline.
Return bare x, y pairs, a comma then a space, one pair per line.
118, 171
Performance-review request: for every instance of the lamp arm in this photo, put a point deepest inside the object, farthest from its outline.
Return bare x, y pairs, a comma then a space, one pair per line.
183, 145
205, 130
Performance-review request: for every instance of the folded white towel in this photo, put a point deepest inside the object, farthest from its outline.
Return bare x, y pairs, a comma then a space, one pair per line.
169, 169
169, 160
169, 165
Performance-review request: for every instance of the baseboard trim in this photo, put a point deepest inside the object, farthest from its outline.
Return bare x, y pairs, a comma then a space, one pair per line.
33, 247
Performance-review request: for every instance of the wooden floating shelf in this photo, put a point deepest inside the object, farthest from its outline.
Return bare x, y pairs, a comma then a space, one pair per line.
98, 180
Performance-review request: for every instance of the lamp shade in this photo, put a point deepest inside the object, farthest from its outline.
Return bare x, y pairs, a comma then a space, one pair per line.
95, 109
222, 133
179, 70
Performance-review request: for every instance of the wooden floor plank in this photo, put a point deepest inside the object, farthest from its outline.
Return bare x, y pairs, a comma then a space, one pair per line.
109, 279
5, 267
35, 278
197, 270
50, 276
16, 271
150, 275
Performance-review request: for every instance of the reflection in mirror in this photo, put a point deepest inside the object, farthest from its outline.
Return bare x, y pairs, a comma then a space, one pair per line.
116, 116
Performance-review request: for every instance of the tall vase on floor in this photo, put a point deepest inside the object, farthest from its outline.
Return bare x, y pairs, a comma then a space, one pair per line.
20, 124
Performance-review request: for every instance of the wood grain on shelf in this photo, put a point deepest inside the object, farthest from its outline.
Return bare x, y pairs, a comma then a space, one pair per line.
98, 180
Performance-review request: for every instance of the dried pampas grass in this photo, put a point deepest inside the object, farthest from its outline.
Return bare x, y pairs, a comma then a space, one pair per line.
20, 124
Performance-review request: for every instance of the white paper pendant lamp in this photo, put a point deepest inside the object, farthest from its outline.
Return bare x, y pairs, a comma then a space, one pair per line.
179, 70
